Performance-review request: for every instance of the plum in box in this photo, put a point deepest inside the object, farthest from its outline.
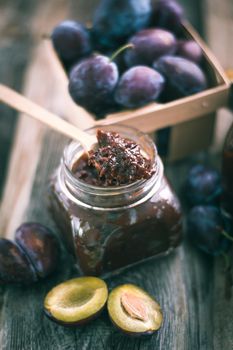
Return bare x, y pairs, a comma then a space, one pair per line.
192, 118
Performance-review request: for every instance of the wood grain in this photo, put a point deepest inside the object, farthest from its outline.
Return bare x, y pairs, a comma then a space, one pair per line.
15, 48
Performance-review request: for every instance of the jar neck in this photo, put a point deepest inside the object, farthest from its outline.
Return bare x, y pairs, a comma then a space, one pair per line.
115, 196
109, 197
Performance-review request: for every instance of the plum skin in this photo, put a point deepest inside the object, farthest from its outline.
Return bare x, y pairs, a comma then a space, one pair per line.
71, 41
138, 86
40, 245
189, 49
74, 324
183, 77
92, 83
116, 20
202, 185
204, 225
15, 267
149, 45
167, 14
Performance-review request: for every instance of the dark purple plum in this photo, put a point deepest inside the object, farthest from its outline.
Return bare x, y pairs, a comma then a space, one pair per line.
71, 41
189, 49
116, 20
14, 265
205, 225
41, 247
148, 46
167, 14
139, 86
183, 77
92, 83
202, 185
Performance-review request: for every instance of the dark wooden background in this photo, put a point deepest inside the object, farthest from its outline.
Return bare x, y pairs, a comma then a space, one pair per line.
194, 290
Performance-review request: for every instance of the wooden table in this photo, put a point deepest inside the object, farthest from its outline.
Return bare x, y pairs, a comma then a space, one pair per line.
194, 290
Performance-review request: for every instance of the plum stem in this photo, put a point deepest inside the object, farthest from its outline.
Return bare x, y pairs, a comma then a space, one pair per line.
225, 234
122, 48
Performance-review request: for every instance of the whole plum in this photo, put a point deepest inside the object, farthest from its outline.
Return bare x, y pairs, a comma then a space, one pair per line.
189, 49
40, 245
138, 86
167, 14
148, 46
116, 20
71, 41
202, 185
14, 265
205, 225
92, 83
183, 77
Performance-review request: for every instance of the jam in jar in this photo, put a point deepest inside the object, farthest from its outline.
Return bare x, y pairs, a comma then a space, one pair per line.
108, 228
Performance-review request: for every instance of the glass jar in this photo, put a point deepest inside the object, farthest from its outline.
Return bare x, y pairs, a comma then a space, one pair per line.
227, 175
109, 228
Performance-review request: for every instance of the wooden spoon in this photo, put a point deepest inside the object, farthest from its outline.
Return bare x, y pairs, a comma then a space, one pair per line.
24, 105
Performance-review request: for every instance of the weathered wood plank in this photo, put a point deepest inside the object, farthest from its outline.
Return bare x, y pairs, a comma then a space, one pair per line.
15, 47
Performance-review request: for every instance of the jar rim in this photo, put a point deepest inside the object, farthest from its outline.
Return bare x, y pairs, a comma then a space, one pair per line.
109, 189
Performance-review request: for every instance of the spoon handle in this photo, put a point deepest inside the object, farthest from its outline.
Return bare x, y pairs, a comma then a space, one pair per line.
24, 105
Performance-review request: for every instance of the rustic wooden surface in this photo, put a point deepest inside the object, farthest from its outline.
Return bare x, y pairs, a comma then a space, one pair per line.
194, 290
15, 48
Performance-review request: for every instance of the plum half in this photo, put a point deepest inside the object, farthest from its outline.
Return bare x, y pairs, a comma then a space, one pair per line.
76, 301
133, 310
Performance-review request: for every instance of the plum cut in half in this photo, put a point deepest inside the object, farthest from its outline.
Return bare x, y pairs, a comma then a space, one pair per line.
134, 311
76, 301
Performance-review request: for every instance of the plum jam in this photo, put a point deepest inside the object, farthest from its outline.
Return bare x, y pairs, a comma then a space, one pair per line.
108, 226
227, 174
115, 161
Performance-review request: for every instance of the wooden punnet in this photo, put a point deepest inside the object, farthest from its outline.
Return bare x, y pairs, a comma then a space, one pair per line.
191, 118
